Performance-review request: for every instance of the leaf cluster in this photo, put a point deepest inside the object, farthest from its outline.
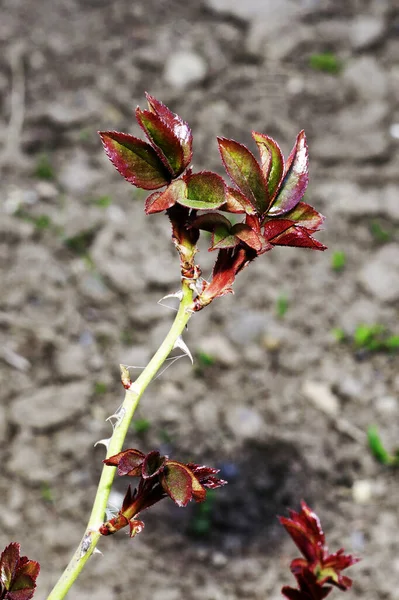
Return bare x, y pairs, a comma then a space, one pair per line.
159, 477
266, 194
318, 570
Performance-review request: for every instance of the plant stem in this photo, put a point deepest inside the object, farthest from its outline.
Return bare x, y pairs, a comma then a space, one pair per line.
125, 414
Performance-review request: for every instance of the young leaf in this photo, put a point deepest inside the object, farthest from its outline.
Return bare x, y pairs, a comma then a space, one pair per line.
306, 216
179, 127
271, 160
295, 179
135, 160
163, 140
210, 221
153, 464
247, 235
129, 462
236, 202
18, 574
245, 172
205, 190
160, 201
180, 484
285, 233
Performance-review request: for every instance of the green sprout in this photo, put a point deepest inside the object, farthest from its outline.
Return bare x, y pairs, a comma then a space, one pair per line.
381, 235
338, 261
204, 359
46, 493
100, 388
44, 168
201, 523
339, 334
141, 426
326, 62
42, 222
282, 305
378, 449
102, 201
80, 243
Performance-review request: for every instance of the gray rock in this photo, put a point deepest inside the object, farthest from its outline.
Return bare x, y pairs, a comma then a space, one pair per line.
50, 406
70, 362
380, 275
245, 423
184, 68
363, 137
366, 31
366, 77
218, 347
161, 269
246, 326
253, 9
3, 424
77, 176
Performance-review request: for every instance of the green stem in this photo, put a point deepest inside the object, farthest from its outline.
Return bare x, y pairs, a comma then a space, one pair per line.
132, 397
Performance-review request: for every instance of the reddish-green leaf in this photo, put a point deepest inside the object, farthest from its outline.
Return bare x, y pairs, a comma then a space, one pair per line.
247, 235
153, 464
8, 563
160, 201
17, 574
271, 160
295, 179
180, 484
222, 238
163, 140
135, 160
245, 172
176, 124
209, 222
236, 202
204, 190
129, 462
306, 216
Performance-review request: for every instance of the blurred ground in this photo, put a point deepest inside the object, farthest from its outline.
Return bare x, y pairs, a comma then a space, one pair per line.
82, 268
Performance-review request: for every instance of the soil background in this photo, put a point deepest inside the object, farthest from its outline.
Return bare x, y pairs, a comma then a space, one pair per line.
273, 400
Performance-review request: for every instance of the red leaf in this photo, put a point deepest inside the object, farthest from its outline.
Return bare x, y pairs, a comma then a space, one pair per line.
236, 202
163, 140
160, 201
295, 179
306, 216
206, 475
305, 529
309, 588
247, 235
153, 464
129, 462
17, 574
209, 221
245, 172
180, 484
229, 262
271, 160
318, 567
176, 124
284, 232
8, 564
135, 160
298, 237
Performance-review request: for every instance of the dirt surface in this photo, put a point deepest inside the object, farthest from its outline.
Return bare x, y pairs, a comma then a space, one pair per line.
282, 407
